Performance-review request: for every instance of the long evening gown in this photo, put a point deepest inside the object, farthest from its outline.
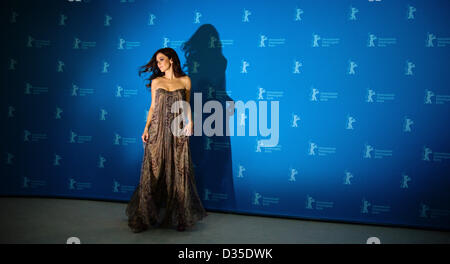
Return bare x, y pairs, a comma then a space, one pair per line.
166, 194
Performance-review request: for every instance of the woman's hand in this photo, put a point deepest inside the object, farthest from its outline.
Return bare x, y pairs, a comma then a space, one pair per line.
188, 130
145, 136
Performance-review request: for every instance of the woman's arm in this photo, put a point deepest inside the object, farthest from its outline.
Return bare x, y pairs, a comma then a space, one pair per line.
152, 106
188, 97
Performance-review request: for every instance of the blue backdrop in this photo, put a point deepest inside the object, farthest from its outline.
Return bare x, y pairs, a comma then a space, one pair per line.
362, 86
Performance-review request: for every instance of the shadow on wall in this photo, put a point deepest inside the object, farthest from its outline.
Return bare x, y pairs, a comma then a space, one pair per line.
206, 66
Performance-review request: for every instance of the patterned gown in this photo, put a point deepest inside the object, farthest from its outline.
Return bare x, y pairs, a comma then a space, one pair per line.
166, 194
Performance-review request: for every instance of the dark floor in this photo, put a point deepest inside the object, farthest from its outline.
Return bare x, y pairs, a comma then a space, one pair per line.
53, 221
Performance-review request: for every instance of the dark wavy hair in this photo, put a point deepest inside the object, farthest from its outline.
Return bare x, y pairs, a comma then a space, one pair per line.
152, 66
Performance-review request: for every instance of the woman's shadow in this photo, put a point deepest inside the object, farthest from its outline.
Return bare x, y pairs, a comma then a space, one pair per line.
211, 155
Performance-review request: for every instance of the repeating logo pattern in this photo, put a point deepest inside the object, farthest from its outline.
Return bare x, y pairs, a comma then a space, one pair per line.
336, 113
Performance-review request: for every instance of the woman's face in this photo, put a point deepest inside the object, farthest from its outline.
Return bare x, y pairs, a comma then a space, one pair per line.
163, 62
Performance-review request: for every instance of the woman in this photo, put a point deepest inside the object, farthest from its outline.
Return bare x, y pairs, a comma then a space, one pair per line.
166, 195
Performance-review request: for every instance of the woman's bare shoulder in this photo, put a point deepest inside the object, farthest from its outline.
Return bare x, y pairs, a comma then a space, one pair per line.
155, 82
157, 79
186, 79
